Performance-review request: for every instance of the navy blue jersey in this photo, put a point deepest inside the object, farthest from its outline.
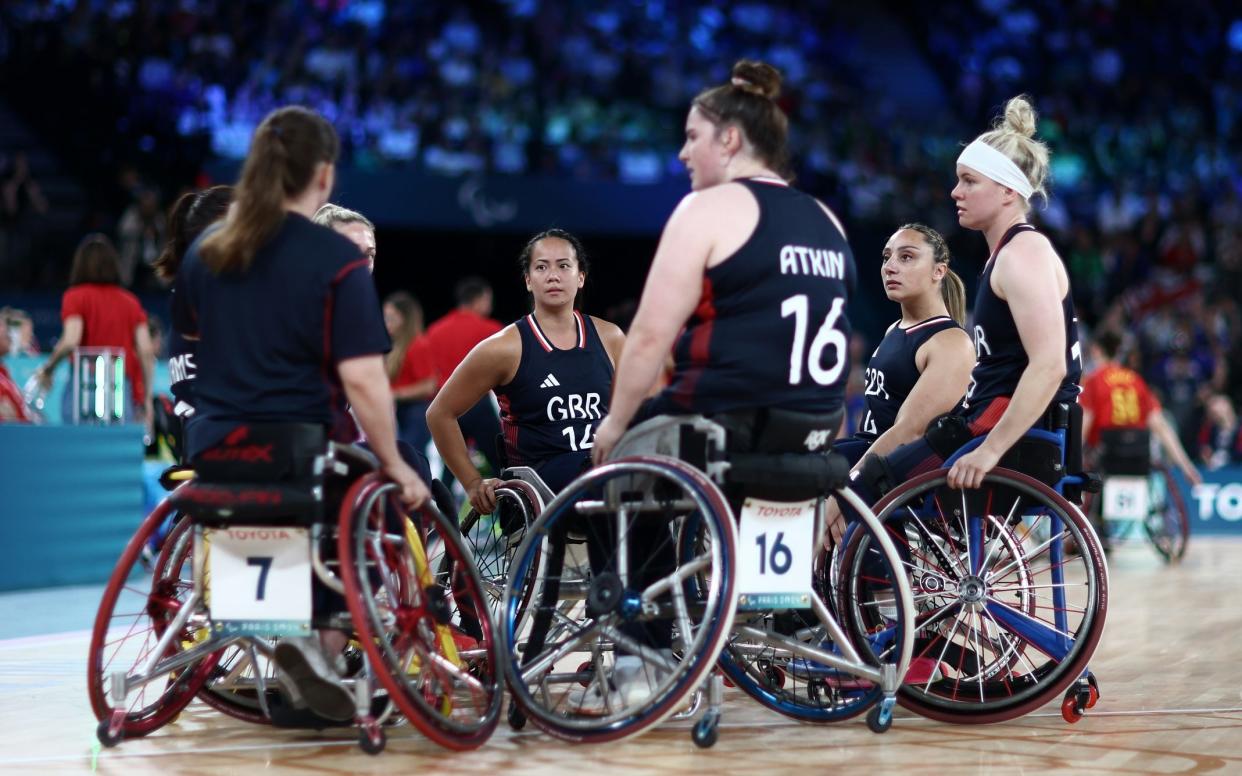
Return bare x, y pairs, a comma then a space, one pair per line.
554, 402
892, 372
181, 371
269, 339
1000, 357
770, 329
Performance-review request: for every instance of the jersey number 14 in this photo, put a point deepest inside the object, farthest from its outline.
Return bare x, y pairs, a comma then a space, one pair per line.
828, 336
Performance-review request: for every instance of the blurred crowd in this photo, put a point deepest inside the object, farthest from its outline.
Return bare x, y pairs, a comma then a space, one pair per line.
1140, 102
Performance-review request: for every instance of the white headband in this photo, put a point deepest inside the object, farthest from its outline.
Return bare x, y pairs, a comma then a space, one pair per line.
989, 162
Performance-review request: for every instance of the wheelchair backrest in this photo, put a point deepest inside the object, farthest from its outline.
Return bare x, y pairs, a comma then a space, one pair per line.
264, 452
1125, 451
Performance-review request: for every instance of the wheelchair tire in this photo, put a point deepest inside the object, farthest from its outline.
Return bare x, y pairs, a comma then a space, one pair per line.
996, 634
1168, 521
543, 662
126, 641
408, 618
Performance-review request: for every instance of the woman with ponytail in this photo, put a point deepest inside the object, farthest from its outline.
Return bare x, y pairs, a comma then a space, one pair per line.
922, 366
289, 328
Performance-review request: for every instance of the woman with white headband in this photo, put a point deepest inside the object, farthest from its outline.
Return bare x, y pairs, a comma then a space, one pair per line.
1025, 330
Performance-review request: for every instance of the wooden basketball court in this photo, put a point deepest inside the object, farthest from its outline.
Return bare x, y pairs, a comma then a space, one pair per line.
1168, 667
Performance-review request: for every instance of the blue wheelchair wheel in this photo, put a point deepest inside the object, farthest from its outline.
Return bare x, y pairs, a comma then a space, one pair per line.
1010, 591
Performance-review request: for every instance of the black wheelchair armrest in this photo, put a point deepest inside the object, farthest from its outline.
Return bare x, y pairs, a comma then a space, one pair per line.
787, 476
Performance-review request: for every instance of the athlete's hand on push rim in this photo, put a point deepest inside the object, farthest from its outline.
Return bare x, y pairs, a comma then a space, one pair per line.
606, 437
482, 495
968, 471
414, 492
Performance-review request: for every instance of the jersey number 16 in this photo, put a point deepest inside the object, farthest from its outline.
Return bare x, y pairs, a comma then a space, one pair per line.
828, 336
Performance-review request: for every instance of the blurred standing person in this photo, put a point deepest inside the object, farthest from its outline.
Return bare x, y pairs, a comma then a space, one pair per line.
449, 340
410, 368
12, 406
98, 313
21, 204
141, 234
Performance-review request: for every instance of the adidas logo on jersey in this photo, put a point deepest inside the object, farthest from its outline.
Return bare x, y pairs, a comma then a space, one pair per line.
550, 381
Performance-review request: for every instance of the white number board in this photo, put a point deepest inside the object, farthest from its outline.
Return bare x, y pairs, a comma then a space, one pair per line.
260, 580
1125, 498
777, 549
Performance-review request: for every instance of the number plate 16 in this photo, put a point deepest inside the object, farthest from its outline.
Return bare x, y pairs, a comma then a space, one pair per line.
777, 548
259, 580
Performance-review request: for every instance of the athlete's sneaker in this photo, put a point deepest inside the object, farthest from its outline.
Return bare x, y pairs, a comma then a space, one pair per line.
301, 660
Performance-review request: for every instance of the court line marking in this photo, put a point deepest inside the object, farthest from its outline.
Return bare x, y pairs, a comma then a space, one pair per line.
115, 755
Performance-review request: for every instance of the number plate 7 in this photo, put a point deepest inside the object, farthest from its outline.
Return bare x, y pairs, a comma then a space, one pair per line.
259, 580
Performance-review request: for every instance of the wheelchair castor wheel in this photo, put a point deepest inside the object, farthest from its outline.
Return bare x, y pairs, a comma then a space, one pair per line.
107, 736
1078, 699
706, 730
880, 718
517, 717
586, 668
372, 739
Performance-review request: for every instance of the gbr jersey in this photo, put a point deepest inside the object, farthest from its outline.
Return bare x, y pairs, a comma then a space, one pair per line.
770, 329
556, 399
893, 370
1000, 357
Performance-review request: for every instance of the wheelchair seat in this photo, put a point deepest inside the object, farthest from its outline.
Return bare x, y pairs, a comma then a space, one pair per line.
276, 472
774, 454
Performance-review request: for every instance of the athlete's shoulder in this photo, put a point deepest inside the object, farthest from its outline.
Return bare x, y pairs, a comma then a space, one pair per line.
606, 329
502, 347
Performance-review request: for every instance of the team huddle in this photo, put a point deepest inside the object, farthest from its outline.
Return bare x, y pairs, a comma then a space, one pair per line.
743, 322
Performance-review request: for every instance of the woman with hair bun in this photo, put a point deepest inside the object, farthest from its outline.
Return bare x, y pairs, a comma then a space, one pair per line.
750, 280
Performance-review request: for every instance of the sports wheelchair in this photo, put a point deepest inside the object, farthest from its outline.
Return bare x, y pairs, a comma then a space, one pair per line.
282, 533
1139, 493
605, 649
1010, 582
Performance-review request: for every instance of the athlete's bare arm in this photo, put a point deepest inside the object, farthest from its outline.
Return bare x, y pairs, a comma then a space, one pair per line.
1030, 276
492, 362
944, 363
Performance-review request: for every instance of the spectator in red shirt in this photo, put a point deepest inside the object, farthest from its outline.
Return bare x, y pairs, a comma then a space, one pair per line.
1116, 397
12, 406
97, 312
449, 340
411, 370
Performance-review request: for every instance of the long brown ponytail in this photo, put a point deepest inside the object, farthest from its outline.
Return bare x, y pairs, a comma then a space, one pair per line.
284, 153
952, 290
